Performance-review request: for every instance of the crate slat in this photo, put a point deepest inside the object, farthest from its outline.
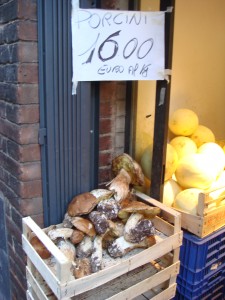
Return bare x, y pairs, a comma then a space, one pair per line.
65, 286
148, 283
211, 215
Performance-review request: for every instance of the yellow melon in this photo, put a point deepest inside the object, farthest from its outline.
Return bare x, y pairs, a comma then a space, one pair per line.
171, 161
216, 156
202, 135
170, 189
187, 200
183, 145
195, 171
183, 122
218, 187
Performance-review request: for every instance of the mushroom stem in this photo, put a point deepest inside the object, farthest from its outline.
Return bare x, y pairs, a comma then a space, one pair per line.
120, 185
120, 246
84, 249
137, 228
96, 257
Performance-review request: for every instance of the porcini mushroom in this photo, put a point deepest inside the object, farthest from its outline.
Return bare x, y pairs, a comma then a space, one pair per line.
102, 194
100, 222
135, 206
67, 249
109, 207
85, 247
77, 236
82, 204
82, 268
84, 225
137, 228
96, 256
121, 247
64, 233
40, 248
128, 172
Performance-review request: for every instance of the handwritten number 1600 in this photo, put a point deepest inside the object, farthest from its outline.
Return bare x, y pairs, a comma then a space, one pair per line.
128, 49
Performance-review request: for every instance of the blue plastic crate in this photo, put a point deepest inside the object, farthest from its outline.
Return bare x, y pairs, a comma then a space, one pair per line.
211, 288
202, 269
197, 253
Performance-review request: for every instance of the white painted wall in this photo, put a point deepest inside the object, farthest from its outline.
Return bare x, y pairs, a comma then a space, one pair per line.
198, 72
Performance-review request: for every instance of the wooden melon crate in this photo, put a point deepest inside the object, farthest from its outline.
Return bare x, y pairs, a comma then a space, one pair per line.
152, 271
211, 214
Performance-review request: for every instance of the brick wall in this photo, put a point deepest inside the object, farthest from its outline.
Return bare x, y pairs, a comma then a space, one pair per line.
20, 165
20, 169
111, 126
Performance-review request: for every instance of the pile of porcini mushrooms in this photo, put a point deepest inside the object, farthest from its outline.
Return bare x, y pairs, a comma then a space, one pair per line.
111, 219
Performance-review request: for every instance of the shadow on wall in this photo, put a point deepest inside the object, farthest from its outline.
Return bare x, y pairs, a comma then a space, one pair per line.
4, 263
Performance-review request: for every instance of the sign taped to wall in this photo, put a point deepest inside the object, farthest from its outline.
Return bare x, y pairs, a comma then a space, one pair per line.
117, 45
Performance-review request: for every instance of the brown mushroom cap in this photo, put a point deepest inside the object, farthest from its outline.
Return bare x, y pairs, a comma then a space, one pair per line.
84, 225
40, 248
77, 236
141, 208
83, 268
82, 204
126, 162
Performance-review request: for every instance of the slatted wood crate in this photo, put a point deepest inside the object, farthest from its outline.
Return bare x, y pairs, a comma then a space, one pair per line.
210, 214
152, 271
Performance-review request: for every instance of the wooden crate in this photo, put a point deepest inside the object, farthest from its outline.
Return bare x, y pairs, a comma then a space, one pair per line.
152, 271
211, 214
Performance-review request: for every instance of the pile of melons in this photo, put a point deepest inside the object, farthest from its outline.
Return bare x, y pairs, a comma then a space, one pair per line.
195, 162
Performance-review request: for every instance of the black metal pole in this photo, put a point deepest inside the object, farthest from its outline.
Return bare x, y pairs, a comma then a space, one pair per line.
162, 109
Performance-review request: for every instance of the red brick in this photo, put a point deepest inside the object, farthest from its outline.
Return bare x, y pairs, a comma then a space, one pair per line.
27, 94
30, 189
27, 9
26, 153
25, 134
30, 171
104, 175
32, 206
27, 52
39, 219
121, 90
105, 159
23, 114
28, 134
106, 109
28, 73
27, 30
105, 126
107, 90
105, 142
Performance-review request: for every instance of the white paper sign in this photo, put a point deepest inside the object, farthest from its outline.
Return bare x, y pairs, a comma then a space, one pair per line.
117, 45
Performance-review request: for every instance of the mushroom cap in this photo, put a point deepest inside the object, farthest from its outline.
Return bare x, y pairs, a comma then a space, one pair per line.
82, 204
125, 161
141, 208
83, 268
77, 236
84, 225
102, 194
40, 248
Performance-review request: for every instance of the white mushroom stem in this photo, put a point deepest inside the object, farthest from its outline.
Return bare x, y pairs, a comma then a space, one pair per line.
130, 224
67, 249
120, 185
138, 228
64, 233
96, 257
120, 247
84, 249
